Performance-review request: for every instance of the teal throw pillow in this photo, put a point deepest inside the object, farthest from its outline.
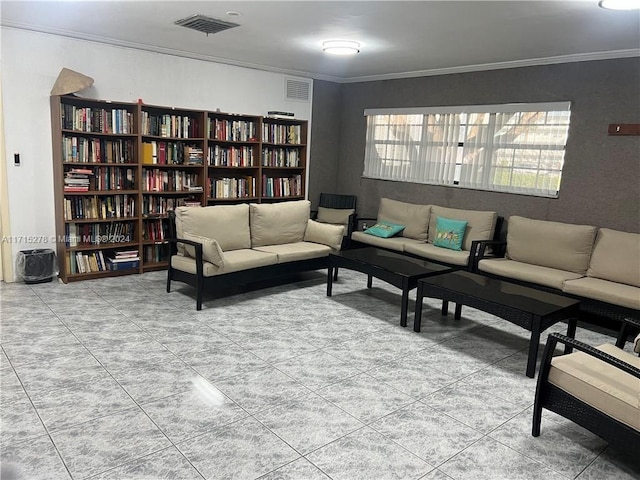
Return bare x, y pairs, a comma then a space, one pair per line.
385, 229
449, 233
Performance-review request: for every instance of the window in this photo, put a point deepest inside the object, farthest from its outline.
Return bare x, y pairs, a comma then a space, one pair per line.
516, 148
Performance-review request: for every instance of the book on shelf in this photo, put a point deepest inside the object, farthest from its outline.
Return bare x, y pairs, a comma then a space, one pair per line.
126, 265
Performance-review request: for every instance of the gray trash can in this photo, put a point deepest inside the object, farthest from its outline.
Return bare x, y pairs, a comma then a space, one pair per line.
36, 266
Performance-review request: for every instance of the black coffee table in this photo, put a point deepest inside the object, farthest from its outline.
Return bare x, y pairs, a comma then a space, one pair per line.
529, 308
399, 270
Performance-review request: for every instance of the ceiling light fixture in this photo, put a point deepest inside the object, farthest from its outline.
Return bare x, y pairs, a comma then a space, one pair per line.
620, 4
340, 47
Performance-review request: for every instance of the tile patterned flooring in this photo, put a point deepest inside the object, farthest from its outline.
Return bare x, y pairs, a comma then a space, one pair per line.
116, 379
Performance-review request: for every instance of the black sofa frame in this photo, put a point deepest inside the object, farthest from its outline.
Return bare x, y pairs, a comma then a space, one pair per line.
551, 397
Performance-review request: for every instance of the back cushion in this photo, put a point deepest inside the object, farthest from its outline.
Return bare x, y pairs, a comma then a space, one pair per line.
480, 224
616, 257
564, 246
414, 217
228, 224
278, 223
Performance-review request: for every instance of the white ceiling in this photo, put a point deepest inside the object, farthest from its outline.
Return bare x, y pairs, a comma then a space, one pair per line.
399, 39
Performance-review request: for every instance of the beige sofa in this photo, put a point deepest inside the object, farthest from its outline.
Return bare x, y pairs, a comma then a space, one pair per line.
420, 225
601, 267
226, 245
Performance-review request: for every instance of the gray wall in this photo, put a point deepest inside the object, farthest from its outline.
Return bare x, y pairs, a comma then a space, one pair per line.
325, 137
601, 177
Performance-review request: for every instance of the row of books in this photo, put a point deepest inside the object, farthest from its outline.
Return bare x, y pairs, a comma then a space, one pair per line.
281, 157
99, 207
155, 230
232, 130
154, 205
169, 181
281, 186
231, 156
277, 133
171, 153
80, 234
89, 262
95, 150
98, 120
170, 126
238, 187
156, 253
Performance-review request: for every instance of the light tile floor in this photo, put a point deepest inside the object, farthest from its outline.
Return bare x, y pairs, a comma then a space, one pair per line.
116, 379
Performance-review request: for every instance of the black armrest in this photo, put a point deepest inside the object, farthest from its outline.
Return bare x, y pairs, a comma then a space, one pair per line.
629, 325
591, 351
361, 220
479, 251
313, 215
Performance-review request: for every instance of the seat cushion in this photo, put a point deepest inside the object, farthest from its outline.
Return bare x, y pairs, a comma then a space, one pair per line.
549, 277
616, 257
604, 290
234, 261
550, 244
393, 243
188, 264
480, 224
228, 224
291, 252
414, 217
439, 254
278, 223
599, 384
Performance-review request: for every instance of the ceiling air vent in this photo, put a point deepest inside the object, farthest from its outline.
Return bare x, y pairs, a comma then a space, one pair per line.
205, 24
297, 90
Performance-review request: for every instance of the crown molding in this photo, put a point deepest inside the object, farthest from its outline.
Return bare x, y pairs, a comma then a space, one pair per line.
579, 57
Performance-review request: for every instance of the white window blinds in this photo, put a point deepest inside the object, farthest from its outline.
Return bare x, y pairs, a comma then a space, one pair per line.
517, 148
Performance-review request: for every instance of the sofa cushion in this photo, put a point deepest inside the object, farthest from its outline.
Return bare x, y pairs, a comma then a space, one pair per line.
480, 224
616, 257
228, 224
604, 290
211, 251
278, 223
563, 246
291, 252
549, 277
394, 243
188, 264
413, 216
599, 384
449, 233
325, 234
384, 229
337, 216
439, 254
234, 261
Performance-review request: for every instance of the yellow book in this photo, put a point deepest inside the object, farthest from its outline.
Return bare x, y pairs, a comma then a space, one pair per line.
147, 153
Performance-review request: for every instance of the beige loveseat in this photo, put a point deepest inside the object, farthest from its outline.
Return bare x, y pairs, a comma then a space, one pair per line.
226, 245
417, 239
601, 267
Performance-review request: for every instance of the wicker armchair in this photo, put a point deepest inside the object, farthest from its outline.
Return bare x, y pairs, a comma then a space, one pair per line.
597, 388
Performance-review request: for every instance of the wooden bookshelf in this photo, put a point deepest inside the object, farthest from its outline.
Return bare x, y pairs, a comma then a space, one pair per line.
120, 167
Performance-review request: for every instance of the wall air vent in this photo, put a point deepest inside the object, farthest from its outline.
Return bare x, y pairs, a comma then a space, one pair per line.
297, 90
205, 24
